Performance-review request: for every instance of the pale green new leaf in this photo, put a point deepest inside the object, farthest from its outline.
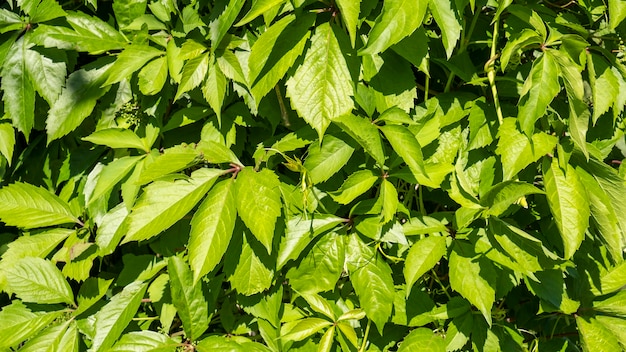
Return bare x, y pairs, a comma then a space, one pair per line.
399, 19
595, 336
17, 323
365, 133
324, 161
501, 196
257, 9
149, 341
153, 76
568, 202
446, 17
47, 74
615, 304
354, 186
217, 153
163, 203
423, 256
474, 278
541, 86
305, 328
187, 297
326, 342
212, 228
193, 74
39, 281
422, 339
524, 249
55, 338
112, 319
350, 10
389, 196
258, 203
616, 326
130, 60
275, 51
7, 140
77, 100
108, 236
321, 89
27, 206
19, 92
116, 138
110, 175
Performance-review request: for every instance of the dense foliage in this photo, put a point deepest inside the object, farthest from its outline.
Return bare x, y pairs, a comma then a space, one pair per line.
338, 175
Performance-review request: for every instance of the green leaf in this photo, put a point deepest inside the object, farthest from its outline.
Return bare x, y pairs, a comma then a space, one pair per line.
126, 11
365, 133
78, 98
258, 8
217, 153
130, 60
350, 10
91, 291
214, 88
301, 231
595, 337
47, 73
110, 175
41, 11
617, 13
423, 256
7, 140
408, 148
19, 92
165, 202
321, 268
422, 339
604, 84
90, 34
62, 336
446, 17
113, 318
354, 186
524, 249
371, 277
17, 323
517, 151
304, 328
615, 304
153, 76
474, 278
275, 51
541, 86
616, 326
108, 236
252, 274
212, 228
258, 203
326, 342
389, 196
194, 72
27, 206
321, 89
144, 341
116, 138
172, 159
326, 160
423, 225
399, 19
568, 202
501, 196
187, 297
219, 26
39, 281
516, 42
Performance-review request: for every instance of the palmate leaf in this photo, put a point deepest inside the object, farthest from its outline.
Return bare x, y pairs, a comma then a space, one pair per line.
77, 100
568, 202
212, 228
187, 297
39, 281
113, 318
165, 202
19, 92
27, 206
399, 19
258, 203
321, 89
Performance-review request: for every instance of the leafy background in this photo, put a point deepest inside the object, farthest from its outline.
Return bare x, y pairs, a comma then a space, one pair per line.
346, 175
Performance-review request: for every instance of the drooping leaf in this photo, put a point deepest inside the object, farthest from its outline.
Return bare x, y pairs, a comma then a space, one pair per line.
350, 10
252, 273
321, 89
112, 319
568, 202
389, 196
214, 88
77, 100
165, 202
398, 20
604, 85
7, 140
445, 15
258, 203
211, 229
187, 297
408, 148
47, 73
423, 256
39, 281
27, 206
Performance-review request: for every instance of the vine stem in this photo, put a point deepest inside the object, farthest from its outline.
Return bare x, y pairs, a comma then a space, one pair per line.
367, 332
491, 70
